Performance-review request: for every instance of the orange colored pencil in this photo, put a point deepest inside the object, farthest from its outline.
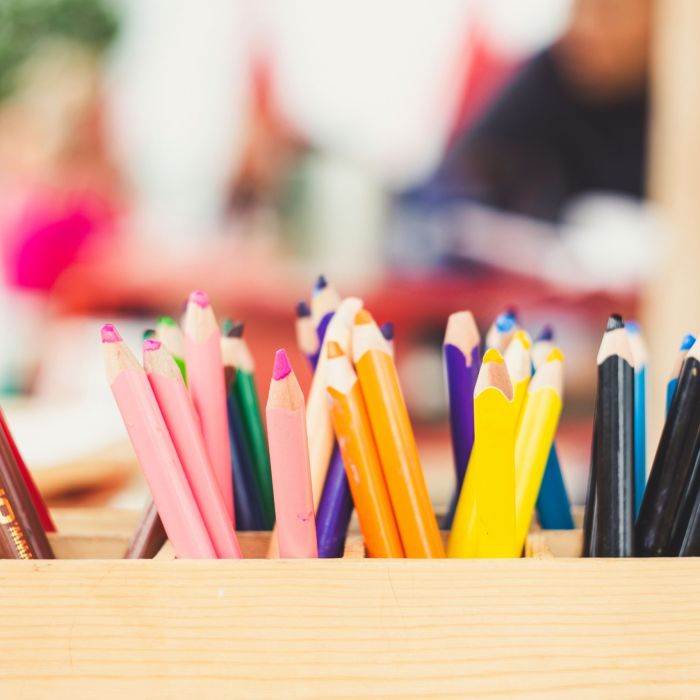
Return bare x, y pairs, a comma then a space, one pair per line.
394, 437
360, 457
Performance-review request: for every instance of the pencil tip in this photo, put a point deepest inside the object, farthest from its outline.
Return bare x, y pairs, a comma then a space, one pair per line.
363, 318
166, 321
235, 329
387, 330
547, 333
687, 342
493, 355
148, 334
151, 344
321, 283
614, 322
523, 338
110, 334
505, 322
282, 367
303, 310
512, 312
200, 298
334, 350
555, 355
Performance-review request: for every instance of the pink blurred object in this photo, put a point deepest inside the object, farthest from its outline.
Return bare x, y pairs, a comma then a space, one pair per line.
48, 233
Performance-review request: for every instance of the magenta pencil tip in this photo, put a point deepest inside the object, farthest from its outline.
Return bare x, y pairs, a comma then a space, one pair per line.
200, 298
109, 334
281, 368
151, 344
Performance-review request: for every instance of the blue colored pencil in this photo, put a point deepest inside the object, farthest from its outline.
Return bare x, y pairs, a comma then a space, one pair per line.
639, 357
553, 504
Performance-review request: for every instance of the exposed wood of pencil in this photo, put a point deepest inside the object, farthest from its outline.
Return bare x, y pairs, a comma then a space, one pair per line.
462, 332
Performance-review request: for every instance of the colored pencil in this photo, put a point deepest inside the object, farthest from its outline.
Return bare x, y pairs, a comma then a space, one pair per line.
387, 330
639, 358
170, 334
307, 340
206, 382
553, 503
542, 345
149, 535
672, 464
502, 331
334, 510
359, 451
181, 420
535, 435
672, 385
155, 450
21, 533
252, 429
335, 506
519, 365
248, 500
395, 441
612, 463
324, 303
484, 524
461, 352
34, 493
289, 457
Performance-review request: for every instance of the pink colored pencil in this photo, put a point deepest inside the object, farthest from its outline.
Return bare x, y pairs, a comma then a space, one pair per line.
205, 378
180, 417
289, 459
155, 450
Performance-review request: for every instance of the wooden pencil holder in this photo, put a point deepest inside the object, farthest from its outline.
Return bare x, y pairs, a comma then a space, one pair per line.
539, 627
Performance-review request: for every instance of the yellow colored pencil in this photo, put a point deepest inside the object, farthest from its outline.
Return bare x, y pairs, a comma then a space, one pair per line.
519, 364
484, 523
395, 441
534, 439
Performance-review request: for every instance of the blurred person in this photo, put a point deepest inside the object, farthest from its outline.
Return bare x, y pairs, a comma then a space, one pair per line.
573, 120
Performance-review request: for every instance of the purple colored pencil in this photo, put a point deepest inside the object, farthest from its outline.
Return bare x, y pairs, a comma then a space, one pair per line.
335, 507
334, 510
462, 356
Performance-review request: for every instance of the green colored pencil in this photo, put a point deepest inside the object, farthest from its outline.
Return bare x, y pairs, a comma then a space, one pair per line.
249, 407
170, 334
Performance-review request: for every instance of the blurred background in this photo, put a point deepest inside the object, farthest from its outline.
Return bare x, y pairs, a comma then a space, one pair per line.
428, 156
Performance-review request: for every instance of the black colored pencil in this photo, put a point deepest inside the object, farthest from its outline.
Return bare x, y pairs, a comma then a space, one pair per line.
673, 464
612, 468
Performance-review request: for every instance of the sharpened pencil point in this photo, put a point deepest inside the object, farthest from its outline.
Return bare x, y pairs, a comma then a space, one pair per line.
151, 344
687, 342
167, 321
493, 355
614, 322
303, 310
321, 283
110, 334
363, 318
148, 334
547, 333
236, 329
334, 350
555, 355
200, 298
387, 330
512, 312
523, 338
282, 367
505, 322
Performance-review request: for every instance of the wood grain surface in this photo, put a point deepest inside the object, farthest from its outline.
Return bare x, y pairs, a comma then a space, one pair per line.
351, 628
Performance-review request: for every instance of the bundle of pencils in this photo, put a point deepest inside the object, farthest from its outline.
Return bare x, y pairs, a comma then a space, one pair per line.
503, 415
